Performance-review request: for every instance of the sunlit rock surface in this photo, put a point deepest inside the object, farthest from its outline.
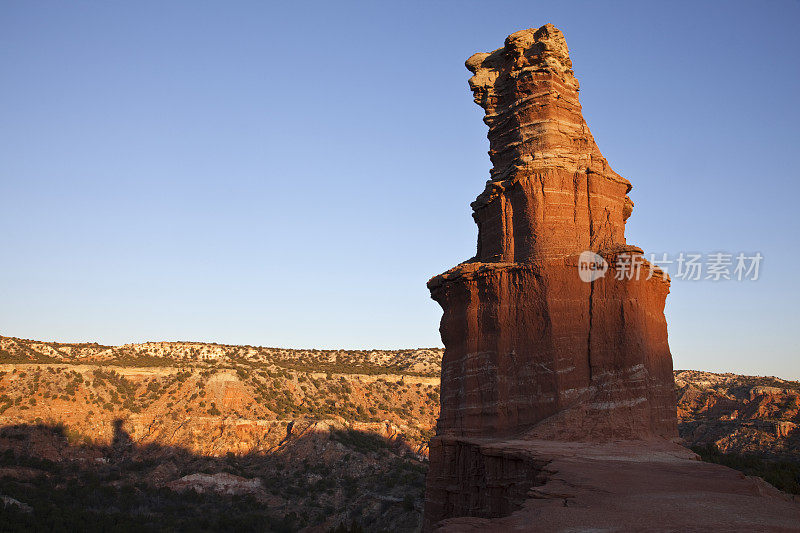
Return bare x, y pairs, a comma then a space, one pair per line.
534, 353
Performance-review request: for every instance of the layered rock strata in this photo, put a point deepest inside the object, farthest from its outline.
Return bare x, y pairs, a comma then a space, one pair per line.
526, 339
532, 351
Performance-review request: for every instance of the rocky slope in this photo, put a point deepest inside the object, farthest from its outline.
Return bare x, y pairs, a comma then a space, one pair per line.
744, 415
313, 438
296, 448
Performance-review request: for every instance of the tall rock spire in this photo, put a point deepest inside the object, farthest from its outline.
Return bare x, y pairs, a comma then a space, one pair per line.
531, 350
546, 165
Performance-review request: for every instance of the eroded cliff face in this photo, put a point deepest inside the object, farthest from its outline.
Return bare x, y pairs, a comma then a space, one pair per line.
531, 350
551, 192
526, 339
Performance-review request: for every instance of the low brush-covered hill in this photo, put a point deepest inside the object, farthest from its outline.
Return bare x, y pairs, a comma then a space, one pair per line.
311, 438
188, 435
420, 361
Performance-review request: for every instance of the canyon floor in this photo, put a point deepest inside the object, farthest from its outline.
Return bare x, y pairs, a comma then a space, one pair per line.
185, 435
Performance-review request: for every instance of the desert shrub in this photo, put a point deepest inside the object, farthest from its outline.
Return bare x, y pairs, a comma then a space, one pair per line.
408, 502
76, 438
360, 441
352, 527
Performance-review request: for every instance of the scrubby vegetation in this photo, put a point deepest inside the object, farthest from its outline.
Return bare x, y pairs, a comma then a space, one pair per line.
104, 499
94, 437
340, 435
369, 483
783, 474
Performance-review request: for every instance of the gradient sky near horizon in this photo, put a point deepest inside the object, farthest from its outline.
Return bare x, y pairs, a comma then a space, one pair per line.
291, 174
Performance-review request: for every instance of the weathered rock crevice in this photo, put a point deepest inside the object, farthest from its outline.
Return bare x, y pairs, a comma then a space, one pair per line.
589, 332
481, 481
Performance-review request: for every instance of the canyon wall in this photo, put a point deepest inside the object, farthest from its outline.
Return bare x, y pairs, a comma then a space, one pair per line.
332, 437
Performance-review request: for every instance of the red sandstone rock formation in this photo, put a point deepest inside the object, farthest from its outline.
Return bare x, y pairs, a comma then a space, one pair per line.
526, 339
533, 352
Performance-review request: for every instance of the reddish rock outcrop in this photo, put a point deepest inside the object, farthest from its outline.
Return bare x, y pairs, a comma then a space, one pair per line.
526, 339
625, 486
532, 352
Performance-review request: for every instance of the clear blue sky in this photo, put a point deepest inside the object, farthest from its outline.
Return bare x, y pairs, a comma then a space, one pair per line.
291, 174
